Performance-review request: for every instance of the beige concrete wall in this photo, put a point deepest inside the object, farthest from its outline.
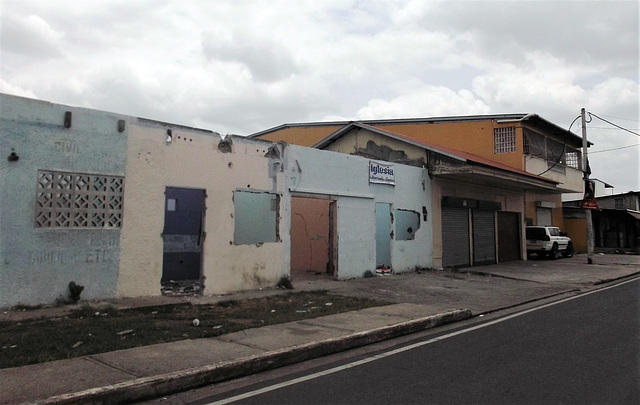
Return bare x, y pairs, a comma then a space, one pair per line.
571, 179
193, 160
557, 216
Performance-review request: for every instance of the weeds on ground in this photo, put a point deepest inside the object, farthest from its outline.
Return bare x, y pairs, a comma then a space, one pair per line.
92, 330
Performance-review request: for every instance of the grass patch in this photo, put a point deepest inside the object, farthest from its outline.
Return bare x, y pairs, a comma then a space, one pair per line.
92, 330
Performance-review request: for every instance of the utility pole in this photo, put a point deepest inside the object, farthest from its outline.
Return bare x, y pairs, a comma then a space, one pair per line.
585, 170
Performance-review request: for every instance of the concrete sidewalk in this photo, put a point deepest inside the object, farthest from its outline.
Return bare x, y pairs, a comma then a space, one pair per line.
423, 301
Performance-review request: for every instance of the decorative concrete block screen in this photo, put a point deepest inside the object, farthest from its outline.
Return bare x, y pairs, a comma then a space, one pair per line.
74, 200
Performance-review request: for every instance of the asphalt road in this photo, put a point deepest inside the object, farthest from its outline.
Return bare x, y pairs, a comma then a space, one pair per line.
579, 351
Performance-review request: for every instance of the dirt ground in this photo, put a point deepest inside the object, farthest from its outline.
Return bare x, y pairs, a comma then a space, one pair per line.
98, 329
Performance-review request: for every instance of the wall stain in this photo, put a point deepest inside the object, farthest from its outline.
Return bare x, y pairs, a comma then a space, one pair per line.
253, 277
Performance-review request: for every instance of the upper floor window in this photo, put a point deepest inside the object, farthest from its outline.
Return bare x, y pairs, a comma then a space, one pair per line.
572, 159
504, 140
557, 153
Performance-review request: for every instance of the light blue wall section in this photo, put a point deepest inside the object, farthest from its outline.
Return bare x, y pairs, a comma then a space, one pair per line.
356, 237
37, 264
412, 191
346, 179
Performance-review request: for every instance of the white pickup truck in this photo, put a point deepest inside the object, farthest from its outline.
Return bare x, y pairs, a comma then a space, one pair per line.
549, 241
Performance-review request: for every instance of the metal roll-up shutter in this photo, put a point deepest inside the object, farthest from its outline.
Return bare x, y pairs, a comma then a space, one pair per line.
455, 237
484, 237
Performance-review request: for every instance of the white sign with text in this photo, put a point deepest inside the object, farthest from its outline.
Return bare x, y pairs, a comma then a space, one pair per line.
381, 173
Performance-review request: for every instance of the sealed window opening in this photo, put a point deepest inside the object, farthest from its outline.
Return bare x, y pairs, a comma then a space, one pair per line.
256, 217
407, 224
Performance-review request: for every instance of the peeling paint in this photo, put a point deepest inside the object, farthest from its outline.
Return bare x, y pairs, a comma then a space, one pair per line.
225, 146
383, 152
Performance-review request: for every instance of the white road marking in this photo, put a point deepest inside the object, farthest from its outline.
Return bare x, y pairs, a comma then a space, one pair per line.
402, 349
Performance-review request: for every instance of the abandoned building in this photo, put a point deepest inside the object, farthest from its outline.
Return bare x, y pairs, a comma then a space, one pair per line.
126, 206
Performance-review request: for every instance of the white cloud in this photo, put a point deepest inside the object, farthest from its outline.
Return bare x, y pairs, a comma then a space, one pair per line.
623, 91
243, 66
265, 59
425, 101
15, 90
542, 83
30, 35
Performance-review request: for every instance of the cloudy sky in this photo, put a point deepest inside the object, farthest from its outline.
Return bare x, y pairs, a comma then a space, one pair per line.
241, 66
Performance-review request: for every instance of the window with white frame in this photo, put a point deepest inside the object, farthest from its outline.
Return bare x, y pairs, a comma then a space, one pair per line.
504, 140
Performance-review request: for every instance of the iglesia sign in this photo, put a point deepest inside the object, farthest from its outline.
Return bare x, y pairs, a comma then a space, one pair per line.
381, 173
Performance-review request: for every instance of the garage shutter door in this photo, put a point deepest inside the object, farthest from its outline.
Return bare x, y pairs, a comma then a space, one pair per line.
455, 237
484, 237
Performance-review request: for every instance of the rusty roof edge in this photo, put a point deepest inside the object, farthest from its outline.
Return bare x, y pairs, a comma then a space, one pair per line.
500, 118
342, 131
391, 121
450, 152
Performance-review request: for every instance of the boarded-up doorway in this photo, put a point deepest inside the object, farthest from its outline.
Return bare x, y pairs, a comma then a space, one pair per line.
508, 236
313, 238
182, 238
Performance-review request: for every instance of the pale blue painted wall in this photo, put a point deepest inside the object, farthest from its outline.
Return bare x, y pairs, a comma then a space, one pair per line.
37, 264
346, 179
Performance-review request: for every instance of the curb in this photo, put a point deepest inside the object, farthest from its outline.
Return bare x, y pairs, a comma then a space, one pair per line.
611, 280
165, 384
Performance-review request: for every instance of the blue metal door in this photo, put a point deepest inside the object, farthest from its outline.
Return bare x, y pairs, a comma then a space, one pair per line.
183, 234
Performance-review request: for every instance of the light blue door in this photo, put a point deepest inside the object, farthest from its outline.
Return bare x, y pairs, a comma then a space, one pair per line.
383, 234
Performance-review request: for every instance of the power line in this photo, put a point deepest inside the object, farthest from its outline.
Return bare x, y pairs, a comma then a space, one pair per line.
608, 150
615, 125
620, 118
564, 145
592, 127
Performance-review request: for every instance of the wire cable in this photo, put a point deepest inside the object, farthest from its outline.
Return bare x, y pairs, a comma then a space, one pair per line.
620, 118
632, 129
615, 125
609, 150
564, 145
